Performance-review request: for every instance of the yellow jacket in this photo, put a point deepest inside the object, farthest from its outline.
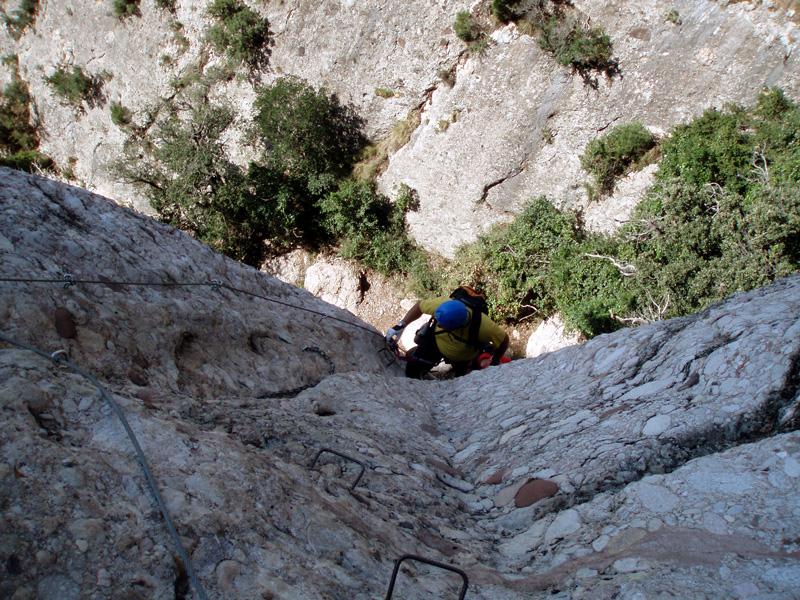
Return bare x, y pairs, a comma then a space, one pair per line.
454, 344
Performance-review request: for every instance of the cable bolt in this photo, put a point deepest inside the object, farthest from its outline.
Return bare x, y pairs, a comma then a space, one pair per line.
58, 356
69, 280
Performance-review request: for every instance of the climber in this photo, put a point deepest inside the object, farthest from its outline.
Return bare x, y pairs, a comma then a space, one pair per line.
459, 332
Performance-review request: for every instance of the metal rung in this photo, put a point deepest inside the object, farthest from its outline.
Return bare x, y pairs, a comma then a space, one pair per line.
390, 354
344, 456
427, 561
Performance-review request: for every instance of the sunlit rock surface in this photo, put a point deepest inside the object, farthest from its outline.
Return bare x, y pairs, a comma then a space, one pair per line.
654, 461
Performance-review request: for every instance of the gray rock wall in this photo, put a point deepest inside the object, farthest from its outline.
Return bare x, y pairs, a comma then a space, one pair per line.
493, 156
658, 461
177, 329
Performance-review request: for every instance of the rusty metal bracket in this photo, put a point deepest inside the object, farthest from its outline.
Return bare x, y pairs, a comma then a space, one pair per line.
344, 456
433, 563
390, 355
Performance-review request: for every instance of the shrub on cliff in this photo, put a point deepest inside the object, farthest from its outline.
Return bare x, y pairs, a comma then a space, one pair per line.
190, 182
503, 10
19, 135
75, 87
511, 262
21, 17
725, 213
724, 216
573, 45
297, 194
609, 156
17, 131
240, 33
123, 9
27, 160
121, 115
465, 27
305, 131
371, 228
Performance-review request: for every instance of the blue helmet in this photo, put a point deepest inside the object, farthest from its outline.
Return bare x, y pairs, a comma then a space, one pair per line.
451, 314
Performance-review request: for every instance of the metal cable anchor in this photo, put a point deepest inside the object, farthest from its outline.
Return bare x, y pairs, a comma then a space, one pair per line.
216, 284
433, 563
59, 355
69, 280
344, 456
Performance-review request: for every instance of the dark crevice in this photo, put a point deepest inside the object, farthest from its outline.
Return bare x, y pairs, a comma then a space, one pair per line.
181, 585
184, 343
489, 186
47, 423
788, 401
363, 286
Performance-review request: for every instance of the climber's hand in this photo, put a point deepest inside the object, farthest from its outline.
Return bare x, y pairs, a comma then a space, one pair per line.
393, 333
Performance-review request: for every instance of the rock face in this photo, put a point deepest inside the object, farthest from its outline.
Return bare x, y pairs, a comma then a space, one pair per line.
549, 336
517, 123
656, 461
511, 127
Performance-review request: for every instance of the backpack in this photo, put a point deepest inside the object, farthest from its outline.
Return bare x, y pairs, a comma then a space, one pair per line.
477, 302
471, 297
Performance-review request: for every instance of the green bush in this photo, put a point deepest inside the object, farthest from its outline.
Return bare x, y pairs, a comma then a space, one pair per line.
609, 156
240, 33
27, 160
166, 4
22, 17
696, 245
465, 27
511, 262
17, 132
19, 136
714, 148
725, 214
75, 86
307, 132
588, 286
120, 115
543, 262
674, 17
371, 228
125, 8
503, 10
573, 45
192, 185
272, 205
188, 178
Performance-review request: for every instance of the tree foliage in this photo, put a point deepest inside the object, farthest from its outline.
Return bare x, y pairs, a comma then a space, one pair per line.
609, 156
17, 131
240, 33
297, 194
21, 17
723, 217
305, 131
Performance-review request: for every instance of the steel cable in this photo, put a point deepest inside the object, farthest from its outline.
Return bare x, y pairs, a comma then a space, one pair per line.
59, 358
69, 281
